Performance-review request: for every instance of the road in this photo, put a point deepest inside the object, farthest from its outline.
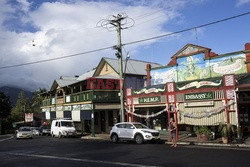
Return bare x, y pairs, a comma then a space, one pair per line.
48, 151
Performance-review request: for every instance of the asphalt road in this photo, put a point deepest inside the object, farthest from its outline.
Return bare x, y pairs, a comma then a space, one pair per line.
48, 151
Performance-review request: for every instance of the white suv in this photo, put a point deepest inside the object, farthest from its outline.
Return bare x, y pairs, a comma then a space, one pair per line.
133, 131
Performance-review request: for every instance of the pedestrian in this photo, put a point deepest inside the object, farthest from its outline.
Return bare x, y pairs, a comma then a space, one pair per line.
172, 129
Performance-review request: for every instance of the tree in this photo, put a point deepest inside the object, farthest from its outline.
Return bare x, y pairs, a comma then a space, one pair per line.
37, 100
5, 110
5, 106
22, 106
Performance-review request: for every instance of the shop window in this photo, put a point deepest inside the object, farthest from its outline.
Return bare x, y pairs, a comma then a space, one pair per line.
110, 118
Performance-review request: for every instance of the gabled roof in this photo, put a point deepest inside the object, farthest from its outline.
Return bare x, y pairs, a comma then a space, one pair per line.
63, 81
135, 67
86, 75
190, 49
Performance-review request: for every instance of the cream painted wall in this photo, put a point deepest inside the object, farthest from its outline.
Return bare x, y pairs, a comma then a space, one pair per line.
107, 70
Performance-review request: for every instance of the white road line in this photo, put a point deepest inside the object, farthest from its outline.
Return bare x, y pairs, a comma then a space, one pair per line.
81, 160
7, 138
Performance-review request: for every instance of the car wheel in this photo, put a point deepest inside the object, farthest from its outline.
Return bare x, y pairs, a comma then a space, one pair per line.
114, 138
60, 135
138, 139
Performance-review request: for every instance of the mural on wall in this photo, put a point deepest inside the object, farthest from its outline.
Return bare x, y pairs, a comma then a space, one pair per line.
234, 64
191, 67
163, 75
194, 67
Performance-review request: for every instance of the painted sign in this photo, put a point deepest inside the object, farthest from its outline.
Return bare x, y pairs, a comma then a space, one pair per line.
86, 107
149, 99
199, 104
67, 108
198, 84
194, 67
199, 96
150, 90
28, 117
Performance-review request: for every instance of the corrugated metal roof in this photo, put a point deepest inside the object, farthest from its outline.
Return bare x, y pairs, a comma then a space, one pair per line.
86, 75
136, 67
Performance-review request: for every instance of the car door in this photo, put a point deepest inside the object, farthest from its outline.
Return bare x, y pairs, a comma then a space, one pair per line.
55, 130
129, 131
121, 130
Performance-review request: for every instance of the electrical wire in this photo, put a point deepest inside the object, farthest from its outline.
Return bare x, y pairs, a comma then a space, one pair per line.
56, 58
188, 29
128, 43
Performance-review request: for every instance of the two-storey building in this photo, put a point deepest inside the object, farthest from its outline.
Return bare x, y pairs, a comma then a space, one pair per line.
197, 87
92, 100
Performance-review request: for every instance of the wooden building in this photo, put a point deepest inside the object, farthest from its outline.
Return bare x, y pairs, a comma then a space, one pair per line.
197, 87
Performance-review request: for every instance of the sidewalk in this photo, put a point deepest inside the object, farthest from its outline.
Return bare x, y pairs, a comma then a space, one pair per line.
184, 139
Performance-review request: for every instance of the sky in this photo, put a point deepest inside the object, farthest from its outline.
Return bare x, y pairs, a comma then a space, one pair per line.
35, 30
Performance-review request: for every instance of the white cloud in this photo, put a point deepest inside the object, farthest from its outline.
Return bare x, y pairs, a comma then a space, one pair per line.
66, 28
241, 2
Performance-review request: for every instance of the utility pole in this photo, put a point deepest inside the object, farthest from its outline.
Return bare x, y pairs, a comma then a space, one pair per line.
117, 23
110, 24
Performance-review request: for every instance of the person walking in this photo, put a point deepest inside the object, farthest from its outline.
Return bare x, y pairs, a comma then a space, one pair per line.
172, 129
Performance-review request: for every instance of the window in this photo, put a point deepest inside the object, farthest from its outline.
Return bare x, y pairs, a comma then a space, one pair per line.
106, 67
56, 123
129, 126
120, 126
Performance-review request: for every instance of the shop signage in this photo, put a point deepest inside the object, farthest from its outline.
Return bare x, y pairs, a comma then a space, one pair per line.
76, 107
28, 117
199, 96
198, 104
86, 107
150, 99
228, 69
150, 90
198, 84
67, 108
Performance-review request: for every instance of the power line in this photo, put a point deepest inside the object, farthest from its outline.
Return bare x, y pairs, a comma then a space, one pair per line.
129, 43
56, 58
188, 29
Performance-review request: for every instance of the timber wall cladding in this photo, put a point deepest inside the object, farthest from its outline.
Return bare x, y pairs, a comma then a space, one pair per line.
204, 121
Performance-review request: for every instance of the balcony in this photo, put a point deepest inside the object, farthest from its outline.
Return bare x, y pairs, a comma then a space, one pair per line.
106, 96
79, 97
46, 102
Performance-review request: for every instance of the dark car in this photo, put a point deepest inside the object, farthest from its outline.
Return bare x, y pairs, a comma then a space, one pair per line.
44, 130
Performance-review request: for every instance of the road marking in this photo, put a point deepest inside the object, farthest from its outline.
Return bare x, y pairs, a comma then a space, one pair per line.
218, 147
81, 160
11, 137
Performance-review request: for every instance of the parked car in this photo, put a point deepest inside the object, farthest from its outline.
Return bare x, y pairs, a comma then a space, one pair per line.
24, 132
62, 127
133, 131
44, 130
35, 131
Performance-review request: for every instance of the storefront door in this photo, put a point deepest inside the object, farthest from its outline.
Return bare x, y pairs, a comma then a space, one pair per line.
103, 121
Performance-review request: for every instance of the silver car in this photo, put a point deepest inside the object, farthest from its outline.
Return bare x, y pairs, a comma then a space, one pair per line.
24, 132
133, 131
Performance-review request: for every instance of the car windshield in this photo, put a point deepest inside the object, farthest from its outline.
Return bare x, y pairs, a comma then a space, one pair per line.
67, 123
24, 129
140, 126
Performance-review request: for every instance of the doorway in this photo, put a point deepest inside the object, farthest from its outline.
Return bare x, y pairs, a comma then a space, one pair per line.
103, 121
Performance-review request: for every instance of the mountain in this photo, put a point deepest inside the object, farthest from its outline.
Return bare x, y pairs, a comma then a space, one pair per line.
13, 92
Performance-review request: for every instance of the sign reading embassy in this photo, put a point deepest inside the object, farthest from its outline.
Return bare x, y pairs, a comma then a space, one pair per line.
199, 96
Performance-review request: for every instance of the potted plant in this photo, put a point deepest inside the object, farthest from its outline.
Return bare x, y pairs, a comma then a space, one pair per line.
227, 131
203, 133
